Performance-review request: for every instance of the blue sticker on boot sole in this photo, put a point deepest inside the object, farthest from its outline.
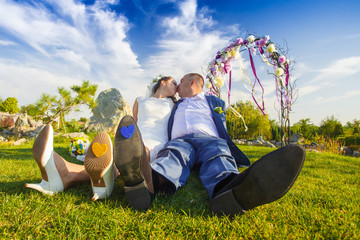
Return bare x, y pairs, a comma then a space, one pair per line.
128, 131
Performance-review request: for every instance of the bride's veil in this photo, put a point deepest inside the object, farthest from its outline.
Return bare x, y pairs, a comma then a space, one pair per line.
149, 91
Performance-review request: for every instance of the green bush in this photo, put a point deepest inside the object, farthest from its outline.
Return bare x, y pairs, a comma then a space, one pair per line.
350, 140
10, 105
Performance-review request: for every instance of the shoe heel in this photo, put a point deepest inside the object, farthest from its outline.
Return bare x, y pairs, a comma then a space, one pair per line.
138, 196
226, 204
100, 167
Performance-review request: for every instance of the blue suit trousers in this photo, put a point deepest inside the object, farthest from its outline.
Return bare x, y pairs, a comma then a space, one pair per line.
210, 154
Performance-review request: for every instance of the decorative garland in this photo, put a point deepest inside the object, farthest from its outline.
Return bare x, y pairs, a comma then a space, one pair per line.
221, 65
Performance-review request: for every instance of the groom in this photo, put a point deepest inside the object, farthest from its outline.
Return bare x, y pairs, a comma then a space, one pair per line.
198, 139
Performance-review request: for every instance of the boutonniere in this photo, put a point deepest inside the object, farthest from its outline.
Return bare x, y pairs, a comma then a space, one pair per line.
218, 110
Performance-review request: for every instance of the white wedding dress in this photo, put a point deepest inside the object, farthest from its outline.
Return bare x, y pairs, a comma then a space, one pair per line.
153, 116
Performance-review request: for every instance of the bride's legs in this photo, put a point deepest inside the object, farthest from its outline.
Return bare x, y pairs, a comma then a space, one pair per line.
70, 173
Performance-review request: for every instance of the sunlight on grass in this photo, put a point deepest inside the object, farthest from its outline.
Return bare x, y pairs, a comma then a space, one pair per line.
323, 204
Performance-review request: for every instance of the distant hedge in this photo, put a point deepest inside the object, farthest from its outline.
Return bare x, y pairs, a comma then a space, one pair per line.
350, 140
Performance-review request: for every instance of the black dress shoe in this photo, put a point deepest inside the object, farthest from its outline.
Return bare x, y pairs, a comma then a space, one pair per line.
265, 181
130, 159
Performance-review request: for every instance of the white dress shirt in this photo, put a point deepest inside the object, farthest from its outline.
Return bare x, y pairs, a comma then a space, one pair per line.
193, 115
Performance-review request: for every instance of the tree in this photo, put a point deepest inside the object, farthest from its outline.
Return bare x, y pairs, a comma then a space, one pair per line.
49, 108
10, 105
331, 127
257, 123
352, 127
305, 128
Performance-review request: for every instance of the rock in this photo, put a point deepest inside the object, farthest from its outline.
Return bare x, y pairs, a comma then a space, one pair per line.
347, 151
296, 137
110, 108
2, 139
33, 123
7, 120
240, 141
268, 144
260, 139
75, 135
19, 142
356, 154
313, 145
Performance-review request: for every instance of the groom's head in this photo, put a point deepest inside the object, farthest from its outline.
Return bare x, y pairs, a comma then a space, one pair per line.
190, 85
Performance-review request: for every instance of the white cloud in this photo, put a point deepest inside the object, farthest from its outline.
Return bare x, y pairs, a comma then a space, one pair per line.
341, 68
187, 45
7, 43
70, 41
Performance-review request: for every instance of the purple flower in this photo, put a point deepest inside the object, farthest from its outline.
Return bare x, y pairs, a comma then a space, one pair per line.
263, 42
239, 41
245, 42
282, 59
227, 67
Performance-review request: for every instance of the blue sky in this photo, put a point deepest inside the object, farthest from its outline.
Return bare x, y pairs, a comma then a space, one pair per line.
125, 43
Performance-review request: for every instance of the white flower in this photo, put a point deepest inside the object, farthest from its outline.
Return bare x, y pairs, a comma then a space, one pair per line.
279, 72
251, 38
271, 48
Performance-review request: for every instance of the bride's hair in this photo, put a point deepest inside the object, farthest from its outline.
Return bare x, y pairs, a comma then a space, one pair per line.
157, 85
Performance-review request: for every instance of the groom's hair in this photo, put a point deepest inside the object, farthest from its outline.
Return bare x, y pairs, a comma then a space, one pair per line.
198, 78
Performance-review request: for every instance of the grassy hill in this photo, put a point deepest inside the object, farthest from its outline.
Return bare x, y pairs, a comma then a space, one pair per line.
323, 204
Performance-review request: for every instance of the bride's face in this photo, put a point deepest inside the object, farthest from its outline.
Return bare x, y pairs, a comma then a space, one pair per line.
170, 87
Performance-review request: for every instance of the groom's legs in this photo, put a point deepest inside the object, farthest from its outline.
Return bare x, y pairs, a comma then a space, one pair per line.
171, 168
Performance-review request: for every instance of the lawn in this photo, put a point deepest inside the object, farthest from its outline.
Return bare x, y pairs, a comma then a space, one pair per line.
324, 203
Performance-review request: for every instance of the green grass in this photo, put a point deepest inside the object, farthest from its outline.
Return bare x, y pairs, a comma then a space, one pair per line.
323, 204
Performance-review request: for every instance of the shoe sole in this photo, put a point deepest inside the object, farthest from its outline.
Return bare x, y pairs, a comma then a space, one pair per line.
97, 166
267, 180
129, 151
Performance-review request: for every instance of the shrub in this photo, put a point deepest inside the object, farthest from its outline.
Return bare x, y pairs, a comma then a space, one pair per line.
350, 140
329, 144
10, 105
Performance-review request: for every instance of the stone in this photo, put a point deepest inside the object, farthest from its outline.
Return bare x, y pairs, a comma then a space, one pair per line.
240, 141
3, 139
268, 144
356, 154
296, 137
7, 120
33, 123
75, 135
110, 109
347, 151
19, 142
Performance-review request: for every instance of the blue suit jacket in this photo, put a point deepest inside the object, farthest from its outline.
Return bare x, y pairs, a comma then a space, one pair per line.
220, 121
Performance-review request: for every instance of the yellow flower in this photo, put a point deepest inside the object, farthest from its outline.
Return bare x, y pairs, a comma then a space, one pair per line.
219, 82
218, 110
251, 38
271, 48
208, 85
279, 72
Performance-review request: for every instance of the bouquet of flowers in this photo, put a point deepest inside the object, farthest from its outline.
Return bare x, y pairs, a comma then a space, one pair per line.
78, 147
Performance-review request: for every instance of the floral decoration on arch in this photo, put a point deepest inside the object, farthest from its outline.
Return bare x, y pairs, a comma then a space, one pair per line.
221, 65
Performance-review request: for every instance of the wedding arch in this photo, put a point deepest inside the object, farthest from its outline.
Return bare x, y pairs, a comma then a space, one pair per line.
271, 54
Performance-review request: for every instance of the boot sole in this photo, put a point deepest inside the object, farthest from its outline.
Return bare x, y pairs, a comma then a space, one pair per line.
128, 154
268, 180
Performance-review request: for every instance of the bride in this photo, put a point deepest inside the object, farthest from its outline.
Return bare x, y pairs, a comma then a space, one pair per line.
150, 113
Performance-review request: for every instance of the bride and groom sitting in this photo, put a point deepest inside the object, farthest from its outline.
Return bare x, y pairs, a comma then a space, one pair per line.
155, 150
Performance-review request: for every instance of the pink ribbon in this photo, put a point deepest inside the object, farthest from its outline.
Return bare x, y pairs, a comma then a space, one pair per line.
262, 89
229, 92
